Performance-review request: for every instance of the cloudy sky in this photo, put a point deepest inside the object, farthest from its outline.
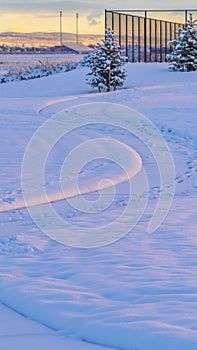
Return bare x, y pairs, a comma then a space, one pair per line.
43, 15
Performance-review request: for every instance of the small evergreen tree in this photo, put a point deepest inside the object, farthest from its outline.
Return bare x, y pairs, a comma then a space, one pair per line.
184, 55
106, 64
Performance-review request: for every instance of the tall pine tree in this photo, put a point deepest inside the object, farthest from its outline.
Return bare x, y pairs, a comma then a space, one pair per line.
184, 55
106, 64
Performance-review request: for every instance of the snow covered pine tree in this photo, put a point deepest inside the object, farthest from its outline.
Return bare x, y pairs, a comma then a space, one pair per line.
106, 64
184, 55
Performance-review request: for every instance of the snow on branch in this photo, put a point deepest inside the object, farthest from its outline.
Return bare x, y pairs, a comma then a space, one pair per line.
106, 64
184, 55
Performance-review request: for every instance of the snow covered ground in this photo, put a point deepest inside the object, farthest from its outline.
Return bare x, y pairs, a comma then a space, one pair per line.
14, 61
23, 333
137, 293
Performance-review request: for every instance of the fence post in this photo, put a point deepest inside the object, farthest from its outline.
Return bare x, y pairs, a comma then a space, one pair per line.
155, 40
166, 40
112, 21
127, 37
105, 18
161, 38
145, 34
133, 40
150, 39
139, 48
185, 16
120, 34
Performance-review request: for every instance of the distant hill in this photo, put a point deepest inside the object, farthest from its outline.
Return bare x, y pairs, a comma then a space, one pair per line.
44, 38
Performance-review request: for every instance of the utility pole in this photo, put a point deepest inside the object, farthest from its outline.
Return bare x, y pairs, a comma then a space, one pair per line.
77, 28
61, 28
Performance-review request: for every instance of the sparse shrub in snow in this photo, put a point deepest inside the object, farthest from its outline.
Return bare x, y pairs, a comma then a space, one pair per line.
106, 64
38, 71
184, 55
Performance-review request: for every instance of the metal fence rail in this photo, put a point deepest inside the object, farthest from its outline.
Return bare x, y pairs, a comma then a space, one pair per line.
143, 38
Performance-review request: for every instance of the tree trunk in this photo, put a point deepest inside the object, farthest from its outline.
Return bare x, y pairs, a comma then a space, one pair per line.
109, 78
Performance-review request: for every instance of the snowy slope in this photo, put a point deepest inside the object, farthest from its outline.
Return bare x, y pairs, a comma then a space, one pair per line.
23, 333
140, 292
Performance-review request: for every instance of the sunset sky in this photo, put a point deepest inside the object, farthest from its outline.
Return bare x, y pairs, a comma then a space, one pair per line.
43, 15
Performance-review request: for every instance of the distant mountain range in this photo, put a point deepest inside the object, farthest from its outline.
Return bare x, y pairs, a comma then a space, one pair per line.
45, 38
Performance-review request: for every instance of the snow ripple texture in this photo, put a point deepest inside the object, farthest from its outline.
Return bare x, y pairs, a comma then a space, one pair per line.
139, 293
